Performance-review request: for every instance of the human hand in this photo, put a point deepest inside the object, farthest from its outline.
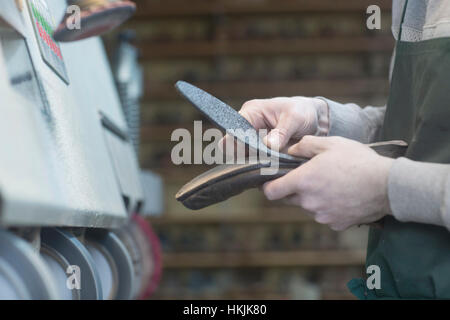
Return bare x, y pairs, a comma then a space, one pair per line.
344, 183
286, 119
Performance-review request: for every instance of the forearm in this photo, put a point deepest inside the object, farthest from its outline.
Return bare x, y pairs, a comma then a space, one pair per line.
353, 122
420, 192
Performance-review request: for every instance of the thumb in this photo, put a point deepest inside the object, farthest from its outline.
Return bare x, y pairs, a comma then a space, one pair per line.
279, 137
310, 146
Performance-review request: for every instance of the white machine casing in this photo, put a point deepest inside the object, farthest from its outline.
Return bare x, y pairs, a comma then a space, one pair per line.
65, 159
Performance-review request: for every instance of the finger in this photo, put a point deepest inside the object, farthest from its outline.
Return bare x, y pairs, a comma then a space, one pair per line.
282, 187
253, 112
310, 146
290, 143
262, 113
285, 129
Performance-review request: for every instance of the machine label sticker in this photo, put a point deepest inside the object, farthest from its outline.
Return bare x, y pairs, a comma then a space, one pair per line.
43, 27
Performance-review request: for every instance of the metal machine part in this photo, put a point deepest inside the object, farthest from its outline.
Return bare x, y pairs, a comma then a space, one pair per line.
12, 285
23, 275
109, 243
106, 269
129, 80
50, 50
137, 258
80, 264
58, 266
67, 160
123, 264
128, 76
150, 247
145, 251
66, 245
153, 188
66, 171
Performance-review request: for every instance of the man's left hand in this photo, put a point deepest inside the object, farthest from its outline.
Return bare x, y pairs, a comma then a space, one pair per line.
344, 183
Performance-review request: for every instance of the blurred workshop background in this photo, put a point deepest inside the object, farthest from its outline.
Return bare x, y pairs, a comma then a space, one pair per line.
248, 247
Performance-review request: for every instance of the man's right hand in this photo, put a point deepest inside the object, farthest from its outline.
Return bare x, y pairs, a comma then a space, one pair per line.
287, 119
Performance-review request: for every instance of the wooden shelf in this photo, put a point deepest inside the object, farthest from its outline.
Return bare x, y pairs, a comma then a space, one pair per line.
265, 259
164, 8
251, 47
252, 89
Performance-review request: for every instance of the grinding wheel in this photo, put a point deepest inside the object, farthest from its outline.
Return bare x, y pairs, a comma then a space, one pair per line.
58, 266
109, 242
68, 246
23, 274
97, 17
106, 267
127, 235
151, 248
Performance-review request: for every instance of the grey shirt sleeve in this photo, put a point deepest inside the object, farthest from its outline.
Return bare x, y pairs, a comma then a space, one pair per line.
353, 122
420, 192
417, 191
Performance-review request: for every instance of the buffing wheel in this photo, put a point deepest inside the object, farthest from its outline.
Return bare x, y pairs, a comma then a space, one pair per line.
96, 19
153, 248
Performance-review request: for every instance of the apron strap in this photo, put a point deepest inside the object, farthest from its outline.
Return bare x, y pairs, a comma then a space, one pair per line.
401, 22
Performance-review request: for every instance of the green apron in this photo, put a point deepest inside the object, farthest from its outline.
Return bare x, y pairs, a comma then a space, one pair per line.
414, 258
